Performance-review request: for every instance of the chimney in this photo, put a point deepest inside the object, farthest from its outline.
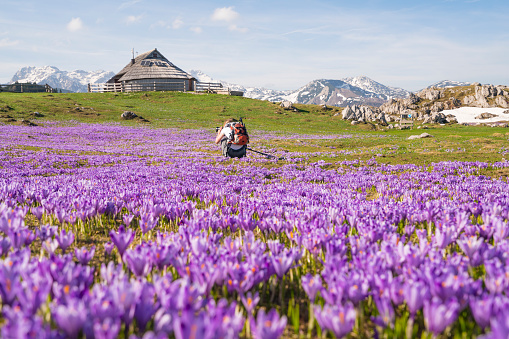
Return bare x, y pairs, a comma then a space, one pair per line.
132, 61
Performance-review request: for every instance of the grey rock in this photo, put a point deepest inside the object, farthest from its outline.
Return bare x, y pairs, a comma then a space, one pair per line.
485, 115
502, 101
286, 105
412, 99
438, 118
364, 114
128, 115
431, 94
421, 136
468, 100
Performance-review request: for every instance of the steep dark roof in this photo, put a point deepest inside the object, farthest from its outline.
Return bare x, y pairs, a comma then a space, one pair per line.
150, 65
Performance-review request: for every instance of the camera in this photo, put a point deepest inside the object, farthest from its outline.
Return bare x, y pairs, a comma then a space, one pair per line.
217, 129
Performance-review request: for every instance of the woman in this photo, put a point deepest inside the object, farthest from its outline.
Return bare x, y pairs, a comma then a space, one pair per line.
224, 137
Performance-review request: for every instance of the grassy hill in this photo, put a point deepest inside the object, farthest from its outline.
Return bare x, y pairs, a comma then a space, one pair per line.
187, 110
167, 109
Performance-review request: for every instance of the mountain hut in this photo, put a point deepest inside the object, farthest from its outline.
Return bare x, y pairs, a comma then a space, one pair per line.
149, 71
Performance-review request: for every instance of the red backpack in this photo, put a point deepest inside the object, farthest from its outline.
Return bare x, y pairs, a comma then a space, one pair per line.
239, 134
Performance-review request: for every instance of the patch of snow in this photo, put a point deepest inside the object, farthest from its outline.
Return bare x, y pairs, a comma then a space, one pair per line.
468, 114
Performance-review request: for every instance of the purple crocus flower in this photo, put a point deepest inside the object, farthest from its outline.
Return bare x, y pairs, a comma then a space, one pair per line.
482, 310
50, 245
5, 246
470, 245
9, 281
148, 222
139, 260
415, 294
122, 239
386, 311
145, 307
284, 260
127, 218
65, 239
34, 292
84, 255
108, 247
268, 325
337, 318
107, 328
311, 285
71, 317
19, 325
46, 231
188, 325
111, 272
499, 325
125, 295
438, 315
250, 301
37, 211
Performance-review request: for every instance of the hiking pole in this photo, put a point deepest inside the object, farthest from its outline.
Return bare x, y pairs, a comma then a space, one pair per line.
267, 155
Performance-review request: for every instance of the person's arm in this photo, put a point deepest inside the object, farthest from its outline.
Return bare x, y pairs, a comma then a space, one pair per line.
219, 135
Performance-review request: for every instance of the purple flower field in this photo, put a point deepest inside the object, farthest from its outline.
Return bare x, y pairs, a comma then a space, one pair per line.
109, 231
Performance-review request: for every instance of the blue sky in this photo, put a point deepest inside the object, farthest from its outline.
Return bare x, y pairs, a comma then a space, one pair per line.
272, 44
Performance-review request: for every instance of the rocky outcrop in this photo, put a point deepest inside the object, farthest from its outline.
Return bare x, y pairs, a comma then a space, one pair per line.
502, 101
426, 105
431, 93
435, 118
394, 107
483, 93
364, 114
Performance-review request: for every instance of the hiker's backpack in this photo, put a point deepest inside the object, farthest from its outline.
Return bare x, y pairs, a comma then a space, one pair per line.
238, 135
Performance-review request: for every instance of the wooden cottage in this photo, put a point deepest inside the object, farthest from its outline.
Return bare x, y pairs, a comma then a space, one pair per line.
149, 71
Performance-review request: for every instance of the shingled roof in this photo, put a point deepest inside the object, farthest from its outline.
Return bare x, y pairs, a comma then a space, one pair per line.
150, 65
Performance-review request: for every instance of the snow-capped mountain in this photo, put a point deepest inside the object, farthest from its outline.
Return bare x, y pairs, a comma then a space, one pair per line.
347, 91
370, 85
74, 81
449, 84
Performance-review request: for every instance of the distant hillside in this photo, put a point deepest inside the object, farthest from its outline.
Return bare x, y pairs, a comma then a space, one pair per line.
74, 81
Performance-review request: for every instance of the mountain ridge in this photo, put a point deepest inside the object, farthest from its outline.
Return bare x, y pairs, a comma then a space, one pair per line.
347, 91
360, 90
75, 81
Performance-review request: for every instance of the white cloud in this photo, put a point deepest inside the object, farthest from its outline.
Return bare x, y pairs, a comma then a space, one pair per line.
236, 28
197, 30
75, 25
177, 23
225, 14
128, 4
228, 15
132, 19
6, 42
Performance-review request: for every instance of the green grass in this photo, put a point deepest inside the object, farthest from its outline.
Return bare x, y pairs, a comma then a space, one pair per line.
188, 110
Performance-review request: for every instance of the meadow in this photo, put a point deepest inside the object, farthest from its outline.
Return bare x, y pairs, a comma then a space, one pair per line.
141, 229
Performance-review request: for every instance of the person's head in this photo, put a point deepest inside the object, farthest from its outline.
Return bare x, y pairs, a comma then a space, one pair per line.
229, 120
